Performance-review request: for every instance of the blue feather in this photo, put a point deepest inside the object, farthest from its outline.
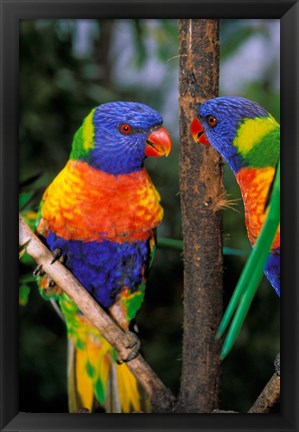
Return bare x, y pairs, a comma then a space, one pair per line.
113, 151
104, 267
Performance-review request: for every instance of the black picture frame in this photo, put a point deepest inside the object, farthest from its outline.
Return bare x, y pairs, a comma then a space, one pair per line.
11, 12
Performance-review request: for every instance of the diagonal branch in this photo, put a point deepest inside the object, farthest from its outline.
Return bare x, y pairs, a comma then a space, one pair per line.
161, 397
266, 401
269, 396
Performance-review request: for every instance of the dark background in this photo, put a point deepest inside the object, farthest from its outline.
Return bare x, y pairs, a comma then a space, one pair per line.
66, 68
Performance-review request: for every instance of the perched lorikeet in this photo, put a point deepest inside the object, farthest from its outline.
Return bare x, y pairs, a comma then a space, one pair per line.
99, 215
248, 138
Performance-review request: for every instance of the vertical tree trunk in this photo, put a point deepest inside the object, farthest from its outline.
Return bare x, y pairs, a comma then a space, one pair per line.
102, 51
201, 189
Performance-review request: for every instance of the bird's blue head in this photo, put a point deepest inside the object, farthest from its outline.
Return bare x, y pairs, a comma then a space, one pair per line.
116, 137
237, 128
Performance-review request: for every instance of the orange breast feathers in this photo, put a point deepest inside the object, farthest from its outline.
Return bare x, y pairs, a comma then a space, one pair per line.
254, 184
83, 203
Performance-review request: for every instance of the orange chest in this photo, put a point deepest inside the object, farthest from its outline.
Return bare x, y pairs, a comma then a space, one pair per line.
254, 185
85, 204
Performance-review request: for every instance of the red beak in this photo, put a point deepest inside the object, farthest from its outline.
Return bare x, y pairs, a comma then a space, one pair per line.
158, 143
197, 132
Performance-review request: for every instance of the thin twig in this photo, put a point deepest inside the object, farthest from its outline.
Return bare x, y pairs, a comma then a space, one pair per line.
57, 310
268, 398
161, 397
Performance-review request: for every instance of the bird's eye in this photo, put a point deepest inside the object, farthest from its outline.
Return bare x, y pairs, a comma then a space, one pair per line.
125, 128
212, 121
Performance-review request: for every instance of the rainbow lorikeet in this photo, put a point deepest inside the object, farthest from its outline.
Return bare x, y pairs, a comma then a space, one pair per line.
99, 216
248, 138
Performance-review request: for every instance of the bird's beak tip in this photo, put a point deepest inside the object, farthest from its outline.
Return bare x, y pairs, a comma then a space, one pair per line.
197, 132
158, 143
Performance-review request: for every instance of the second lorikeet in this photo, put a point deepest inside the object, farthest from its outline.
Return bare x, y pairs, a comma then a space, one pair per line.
99, 216
248, 138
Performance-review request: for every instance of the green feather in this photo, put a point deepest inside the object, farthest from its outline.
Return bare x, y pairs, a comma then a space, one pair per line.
266, 152
99, 391
83, 140
90, 369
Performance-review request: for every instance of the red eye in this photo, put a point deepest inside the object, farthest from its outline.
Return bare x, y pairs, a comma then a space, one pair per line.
212, 121
125, 128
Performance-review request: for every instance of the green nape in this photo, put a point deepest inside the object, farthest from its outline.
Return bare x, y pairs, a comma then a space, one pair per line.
83, 140
266, 152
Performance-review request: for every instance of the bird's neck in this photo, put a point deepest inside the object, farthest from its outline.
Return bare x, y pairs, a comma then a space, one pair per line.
256, 144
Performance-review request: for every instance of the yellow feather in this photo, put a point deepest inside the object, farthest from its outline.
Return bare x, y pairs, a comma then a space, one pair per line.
252, 131
97, 375
88, 131
128, 389
84, 383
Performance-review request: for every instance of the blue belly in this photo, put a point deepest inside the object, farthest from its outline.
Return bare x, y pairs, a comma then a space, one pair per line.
103, 268
272, 269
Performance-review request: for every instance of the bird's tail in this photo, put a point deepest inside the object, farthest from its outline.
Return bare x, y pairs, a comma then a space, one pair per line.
94, 376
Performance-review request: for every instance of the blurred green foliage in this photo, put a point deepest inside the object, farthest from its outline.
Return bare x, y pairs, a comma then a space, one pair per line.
68, 67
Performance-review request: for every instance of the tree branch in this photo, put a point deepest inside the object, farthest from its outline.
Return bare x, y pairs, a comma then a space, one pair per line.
201, 191
268, 398
161, 397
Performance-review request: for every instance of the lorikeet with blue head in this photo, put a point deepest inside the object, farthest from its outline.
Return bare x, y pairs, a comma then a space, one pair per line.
248, 138
99, 216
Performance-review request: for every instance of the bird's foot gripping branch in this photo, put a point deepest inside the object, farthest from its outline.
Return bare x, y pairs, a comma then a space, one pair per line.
161, 398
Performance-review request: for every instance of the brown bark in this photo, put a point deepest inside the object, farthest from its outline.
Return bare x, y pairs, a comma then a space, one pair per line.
201, 190
268, 398
161, 397
102, 50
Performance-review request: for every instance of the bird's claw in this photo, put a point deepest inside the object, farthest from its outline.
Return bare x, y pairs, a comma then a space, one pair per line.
83, 411
38, 271
133, 345
52, 283
23, 248
57, 254
277, 364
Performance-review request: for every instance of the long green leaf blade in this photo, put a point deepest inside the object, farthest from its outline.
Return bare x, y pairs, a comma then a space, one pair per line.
252, 272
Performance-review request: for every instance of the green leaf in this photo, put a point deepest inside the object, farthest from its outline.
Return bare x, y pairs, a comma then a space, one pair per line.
26, 259
24, 198
252, 273
27, 278
24, 292
165, 243
30, 218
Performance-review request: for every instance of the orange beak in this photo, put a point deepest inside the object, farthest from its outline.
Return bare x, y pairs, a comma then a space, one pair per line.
158, 143
197, 132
